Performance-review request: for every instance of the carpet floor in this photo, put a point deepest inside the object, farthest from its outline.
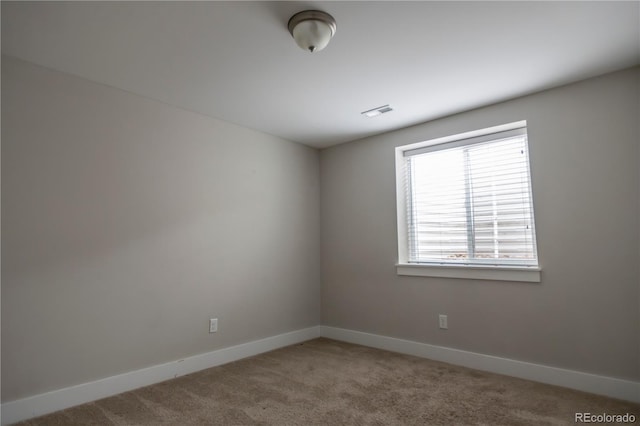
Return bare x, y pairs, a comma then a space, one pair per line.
325, 382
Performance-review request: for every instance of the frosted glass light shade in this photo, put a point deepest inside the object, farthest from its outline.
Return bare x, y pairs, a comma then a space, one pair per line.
312, 30
312, 35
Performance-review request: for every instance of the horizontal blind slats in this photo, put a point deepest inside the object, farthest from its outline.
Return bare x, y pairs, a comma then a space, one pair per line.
471, 201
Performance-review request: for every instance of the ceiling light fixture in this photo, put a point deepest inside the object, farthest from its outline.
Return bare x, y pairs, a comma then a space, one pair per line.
312, 29
377, 111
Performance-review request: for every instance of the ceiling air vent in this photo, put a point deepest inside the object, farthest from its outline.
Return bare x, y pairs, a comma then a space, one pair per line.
377, 111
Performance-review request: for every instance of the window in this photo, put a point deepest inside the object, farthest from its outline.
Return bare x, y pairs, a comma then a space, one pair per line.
465, 204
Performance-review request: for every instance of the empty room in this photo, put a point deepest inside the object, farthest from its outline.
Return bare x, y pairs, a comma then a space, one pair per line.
320, 213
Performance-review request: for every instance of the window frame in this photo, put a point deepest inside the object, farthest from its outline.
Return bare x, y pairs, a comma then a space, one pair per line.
453, 270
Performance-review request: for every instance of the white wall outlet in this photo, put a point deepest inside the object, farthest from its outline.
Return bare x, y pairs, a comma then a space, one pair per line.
443, 321
213, 325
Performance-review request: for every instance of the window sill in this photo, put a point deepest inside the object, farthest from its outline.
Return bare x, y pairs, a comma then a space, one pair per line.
499, 273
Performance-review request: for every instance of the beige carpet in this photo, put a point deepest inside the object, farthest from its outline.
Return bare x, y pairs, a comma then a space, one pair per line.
324, 382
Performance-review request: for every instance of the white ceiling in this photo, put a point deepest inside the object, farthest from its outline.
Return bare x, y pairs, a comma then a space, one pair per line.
236, 60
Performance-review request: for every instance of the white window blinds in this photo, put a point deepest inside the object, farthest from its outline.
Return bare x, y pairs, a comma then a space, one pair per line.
469, 202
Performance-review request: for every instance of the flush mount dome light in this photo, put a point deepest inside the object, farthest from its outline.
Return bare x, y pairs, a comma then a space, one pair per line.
312, 29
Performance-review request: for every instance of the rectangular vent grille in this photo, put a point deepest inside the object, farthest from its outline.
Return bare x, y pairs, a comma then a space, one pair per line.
377, 111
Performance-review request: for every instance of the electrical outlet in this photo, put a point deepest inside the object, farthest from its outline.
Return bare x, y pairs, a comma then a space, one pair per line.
443, 321
213, 325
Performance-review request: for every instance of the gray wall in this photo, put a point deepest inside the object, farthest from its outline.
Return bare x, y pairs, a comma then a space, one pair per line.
584, 315
127, 223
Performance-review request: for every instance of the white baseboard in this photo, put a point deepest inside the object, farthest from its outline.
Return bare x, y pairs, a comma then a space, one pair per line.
22, 409
601, 385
